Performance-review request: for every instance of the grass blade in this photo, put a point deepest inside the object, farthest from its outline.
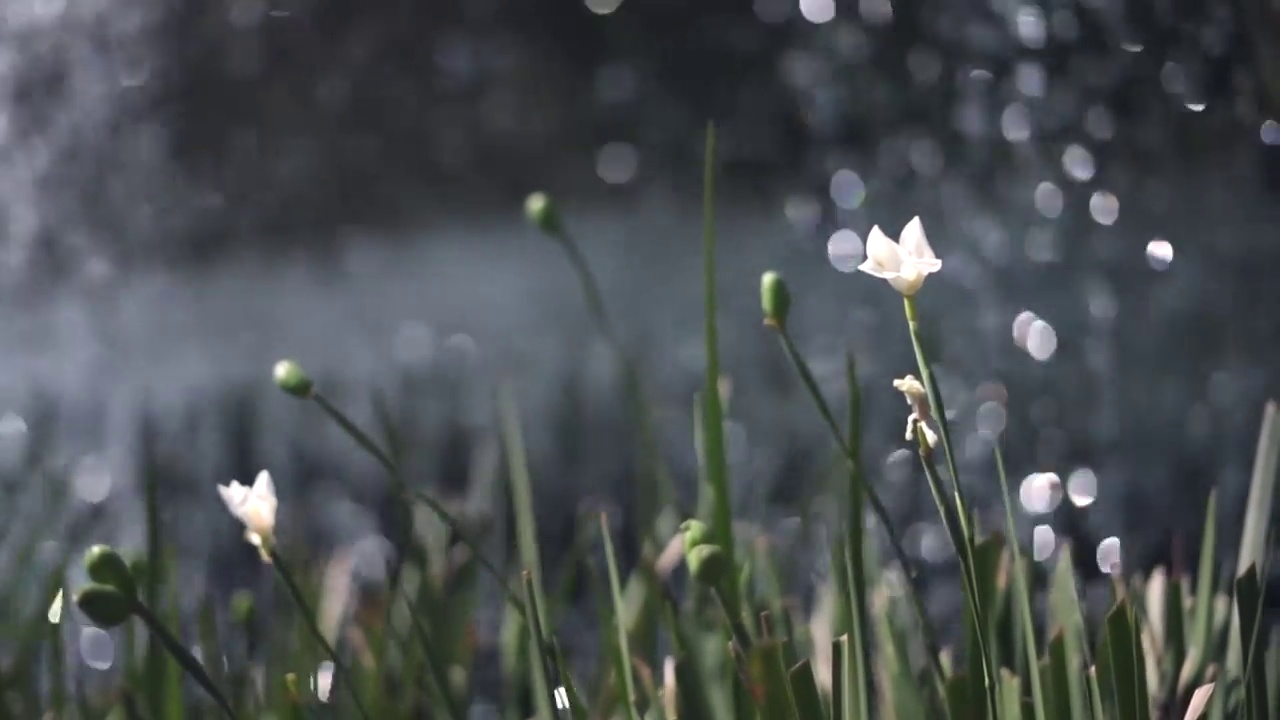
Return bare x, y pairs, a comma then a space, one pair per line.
521, 494
770, 686
1257, 517
622, 651
543, 700
1249, 610
1198, 651
804, 689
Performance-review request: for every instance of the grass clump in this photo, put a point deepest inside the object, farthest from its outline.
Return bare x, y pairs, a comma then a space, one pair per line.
706, 642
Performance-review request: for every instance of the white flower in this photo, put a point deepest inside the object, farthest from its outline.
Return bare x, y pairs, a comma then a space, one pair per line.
256, 508
904, 263
918, 399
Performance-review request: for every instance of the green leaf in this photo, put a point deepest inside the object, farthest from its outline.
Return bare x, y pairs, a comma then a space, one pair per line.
804, 690
1249, 612
1010, 696
770, 687
1257, 517
538, 670
1120, 670
1199, 646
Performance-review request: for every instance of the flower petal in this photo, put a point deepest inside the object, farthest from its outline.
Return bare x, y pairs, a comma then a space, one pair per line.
234, 495
914, 242
871, 268
883, 253
263, 486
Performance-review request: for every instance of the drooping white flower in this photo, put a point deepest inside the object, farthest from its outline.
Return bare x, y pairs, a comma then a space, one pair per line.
255, 507
904, 263
918, 399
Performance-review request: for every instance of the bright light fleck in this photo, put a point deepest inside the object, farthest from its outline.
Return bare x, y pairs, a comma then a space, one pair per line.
1049, 200
1270, 132
55, 609
818, 11
1104, 207
991, 418
1109, 555
1078, 163
617, 162
1043, 543
562, 698
97, 649
92, 479
322, 681
1195, 107
1042, 340
845, 250
1031, 79
12, 425
1015, 123
603, 7
1159, 254
1082, 487
848, 191
1022, 326
1040, 493
1031, 26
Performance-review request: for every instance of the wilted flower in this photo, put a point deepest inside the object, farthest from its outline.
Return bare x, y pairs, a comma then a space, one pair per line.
904, 263
256, 508
918, 399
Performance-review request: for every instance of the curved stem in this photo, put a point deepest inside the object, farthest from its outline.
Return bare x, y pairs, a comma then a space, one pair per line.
339, 666
189, 663
877, 505
368, 445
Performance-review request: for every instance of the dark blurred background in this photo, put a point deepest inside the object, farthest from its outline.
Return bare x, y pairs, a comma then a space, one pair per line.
190, 190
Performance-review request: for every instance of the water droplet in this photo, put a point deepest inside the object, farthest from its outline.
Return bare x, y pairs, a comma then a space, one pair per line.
1031, 26
1159, 254
97, 649
603, 7
1015, 123
1042, 340
12, 426
847, 189
1109, 555
1099, 123
1195, 106
617, 162
803, 211
92, 479
845, 250
1078, 163
1040, 493
818, 11
991, 418
1043, 543
1049, 200
1270, 132
1031, 79
1021, 326
1082, 487
1104, 207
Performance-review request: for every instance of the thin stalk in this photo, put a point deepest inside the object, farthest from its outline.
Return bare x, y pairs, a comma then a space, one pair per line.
183, 657
367, 444
966, 539
1022, 590
340, 668
877, 506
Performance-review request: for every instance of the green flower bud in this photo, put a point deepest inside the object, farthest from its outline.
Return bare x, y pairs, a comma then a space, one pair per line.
542, 214
105, 566
708, 565
104, 605
291, 378
695, 533
291, 687
775, 299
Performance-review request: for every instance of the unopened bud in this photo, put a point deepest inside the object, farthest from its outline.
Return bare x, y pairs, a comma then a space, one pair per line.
707, 564
105, 606
105, 566
542, 214
291, 378
695, 533
775, 299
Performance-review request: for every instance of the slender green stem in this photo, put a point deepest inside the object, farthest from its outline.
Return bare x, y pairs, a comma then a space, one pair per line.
1022, 588
964, 540
877, 505
368, 445
435, 668
339, 667
183, 657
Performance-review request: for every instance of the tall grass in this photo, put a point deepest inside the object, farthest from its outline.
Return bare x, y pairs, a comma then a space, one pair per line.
689, 629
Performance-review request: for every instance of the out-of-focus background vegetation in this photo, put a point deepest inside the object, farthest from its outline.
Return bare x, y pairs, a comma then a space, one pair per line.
191, 190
